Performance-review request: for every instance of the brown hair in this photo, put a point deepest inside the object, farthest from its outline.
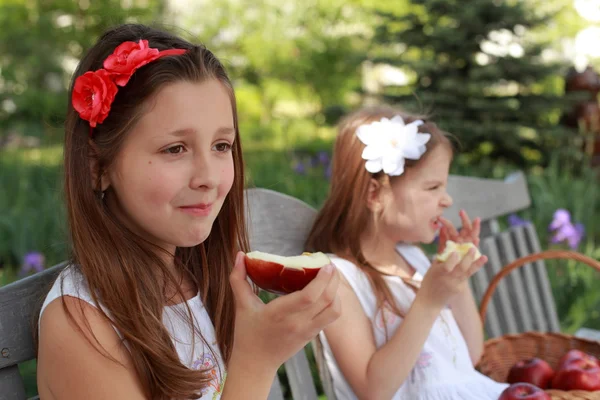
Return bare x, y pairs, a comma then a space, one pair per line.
115, 261
344, 214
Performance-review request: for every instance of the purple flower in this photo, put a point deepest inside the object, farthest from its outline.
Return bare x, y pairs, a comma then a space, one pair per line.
561, 217
299, 168
33, 261
323, 158
328, 172
565, 231
515, 220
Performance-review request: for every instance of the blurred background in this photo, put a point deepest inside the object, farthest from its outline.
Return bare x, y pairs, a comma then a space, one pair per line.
514, 80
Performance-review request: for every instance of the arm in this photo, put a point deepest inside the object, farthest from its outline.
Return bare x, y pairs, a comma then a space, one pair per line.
70, 367
467, 317
377, 374
464, 307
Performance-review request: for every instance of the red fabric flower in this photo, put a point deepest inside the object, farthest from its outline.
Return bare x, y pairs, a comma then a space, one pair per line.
93, 94
95, 91
129, 56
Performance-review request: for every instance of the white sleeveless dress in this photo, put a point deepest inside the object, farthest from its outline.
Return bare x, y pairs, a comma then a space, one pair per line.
444, 370
193, 352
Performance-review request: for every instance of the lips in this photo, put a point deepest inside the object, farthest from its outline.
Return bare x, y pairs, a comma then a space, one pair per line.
201, 209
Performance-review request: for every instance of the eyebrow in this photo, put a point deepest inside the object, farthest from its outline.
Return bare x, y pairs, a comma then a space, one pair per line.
224, 130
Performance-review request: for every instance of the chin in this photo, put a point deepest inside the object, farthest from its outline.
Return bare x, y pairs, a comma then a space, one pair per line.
193, 238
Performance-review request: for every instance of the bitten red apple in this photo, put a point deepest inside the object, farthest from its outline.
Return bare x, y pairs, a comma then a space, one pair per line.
573, 355
534, 370
282, 275
578, 374
524, 391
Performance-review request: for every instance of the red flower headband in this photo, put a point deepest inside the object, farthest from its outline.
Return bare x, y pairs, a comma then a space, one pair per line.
94, 91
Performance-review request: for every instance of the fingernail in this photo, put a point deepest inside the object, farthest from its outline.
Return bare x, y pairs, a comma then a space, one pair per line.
328, 268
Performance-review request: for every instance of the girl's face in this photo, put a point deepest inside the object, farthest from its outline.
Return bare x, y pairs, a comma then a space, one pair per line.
175, 168
413, 202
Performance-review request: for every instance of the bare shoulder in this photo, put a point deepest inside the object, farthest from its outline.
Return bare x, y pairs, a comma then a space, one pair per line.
76, 362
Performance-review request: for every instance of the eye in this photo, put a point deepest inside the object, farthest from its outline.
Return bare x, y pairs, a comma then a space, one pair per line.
434, 187
222, 147
178, 149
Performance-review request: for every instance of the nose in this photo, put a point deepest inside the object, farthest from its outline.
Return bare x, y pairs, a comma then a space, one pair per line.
446, 200
203, 172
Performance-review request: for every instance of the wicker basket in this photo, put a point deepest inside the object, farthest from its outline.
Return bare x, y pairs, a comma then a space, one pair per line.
501, 353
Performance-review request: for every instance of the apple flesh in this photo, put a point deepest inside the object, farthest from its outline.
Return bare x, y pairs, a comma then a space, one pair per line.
535, 371
460, 248
578, 374
524, 391
283, 275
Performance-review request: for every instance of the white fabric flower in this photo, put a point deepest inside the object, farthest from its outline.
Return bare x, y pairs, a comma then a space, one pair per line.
390, 142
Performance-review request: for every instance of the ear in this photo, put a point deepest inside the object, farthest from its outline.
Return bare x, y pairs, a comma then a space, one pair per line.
374, 196
99, 178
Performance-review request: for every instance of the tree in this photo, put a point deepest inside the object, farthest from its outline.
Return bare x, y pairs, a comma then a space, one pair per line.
480, 68
40, 44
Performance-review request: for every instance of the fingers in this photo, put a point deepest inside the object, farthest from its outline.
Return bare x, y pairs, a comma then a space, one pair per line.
443, 237
451, 230
237, 279
328, 315
476, 231
327, 298
307, 297
466, 221
476, 266
450, 263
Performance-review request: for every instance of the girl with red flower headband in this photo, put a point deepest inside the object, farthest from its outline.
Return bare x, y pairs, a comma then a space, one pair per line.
155, 303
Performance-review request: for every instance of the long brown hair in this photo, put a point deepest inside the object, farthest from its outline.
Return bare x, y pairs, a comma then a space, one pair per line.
124, 272
340, 221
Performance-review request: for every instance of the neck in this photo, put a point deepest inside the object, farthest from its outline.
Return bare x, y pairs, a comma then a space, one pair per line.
380, 251
180, 285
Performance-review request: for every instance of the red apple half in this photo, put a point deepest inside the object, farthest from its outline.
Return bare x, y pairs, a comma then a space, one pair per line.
524, 391
282, 275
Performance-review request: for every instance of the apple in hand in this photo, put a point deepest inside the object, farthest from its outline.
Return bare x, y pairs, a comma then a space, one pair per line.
578, 374
460, 248
282, 275
524, 391
573, 355
534, 370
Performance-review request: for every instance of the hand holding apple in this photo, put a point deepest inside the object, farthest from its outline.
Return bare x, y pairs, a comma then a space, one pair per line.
535, 371
268, 334
524, 391
283, 275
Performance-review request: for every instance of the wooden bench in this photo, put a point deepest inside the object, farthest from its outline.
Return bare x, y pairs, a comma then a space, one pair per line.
279, 223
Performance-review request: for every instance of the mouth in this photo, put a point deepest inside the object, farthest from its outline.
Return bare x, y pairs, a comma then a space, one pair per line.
436, 223
201, 209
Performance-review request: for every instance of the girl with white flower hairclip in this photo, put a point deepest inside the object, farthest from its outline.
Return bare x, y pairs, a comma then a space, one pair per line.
416, 333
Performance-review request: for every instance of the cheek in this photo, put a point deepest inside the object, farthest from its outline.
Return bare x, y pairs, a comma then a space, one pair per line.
151, 185
227, 177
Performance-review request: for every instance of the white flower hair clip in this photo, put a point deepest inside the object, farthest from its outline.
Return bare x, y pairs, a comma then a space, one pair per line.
389, 142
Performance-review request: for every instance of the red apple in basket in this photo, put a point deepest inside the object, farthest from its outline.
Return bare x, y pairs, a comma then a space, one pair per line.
534, 370
282, 275
524, 391
573, 355
578, 374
